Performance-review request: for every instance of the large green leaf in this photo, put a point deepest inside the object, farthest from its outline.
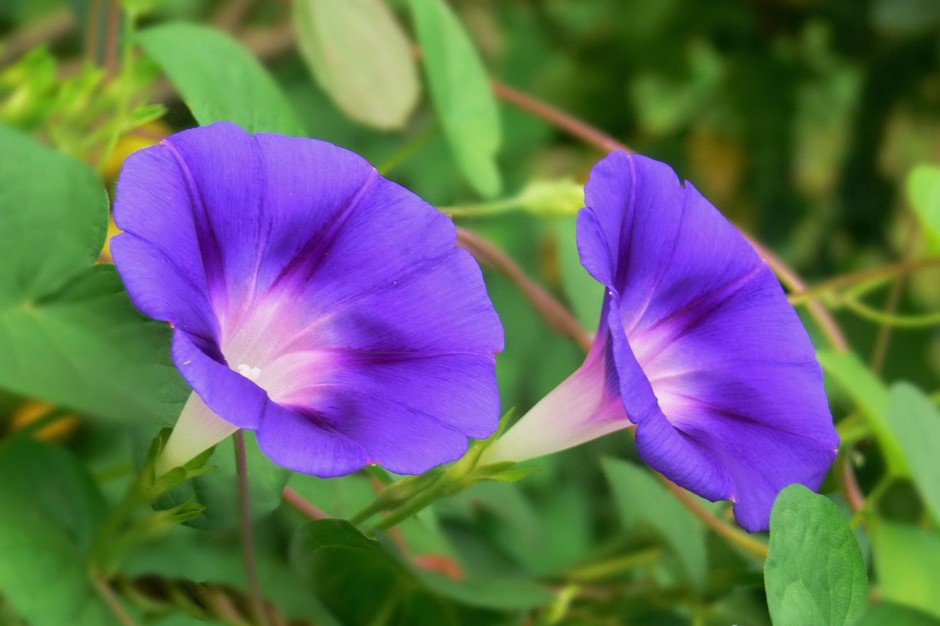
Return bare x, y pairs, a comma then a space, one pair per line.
871, 396
48, 517
218, 79
644, 504
915, 421
907, 562
461, 93
814, 575
361, 57
68, 333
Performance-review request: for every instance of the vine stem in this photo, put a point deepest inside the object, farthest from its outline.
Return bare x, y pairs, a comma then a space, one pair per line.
555, 314
56, 25
114, 604
723, 529
302, 505
880, 352
248, 542
578, 128
849, 280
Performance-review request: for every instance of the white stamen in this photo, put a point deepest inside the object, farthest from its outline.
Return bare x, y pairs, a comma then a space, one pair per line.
249, 372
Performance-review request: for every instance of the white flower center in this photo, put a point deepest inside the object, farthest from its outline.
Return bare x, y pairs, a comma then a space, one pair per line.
249, 372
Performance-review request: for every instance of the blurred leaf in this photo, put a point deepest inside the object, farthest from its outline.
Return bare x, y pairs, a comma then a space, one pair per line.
219, 79
499, 594
871, 396
361, 57
905, 18
215, 556
584, 294
923, 192
814, 574
68, 331
907, 562
331, 553
49, 515
461, 93
644, 503
915, 421
51, 232
888, 614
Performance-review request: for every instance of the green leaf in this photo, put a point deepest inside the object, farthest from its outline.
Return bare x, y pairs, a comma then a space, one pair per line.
373, 80
49, 232
915, 421
907, 562
219, 79
923, 191
644, 504
872, 398
67, 329
814, 573
499, 594
332, 552
888, 614
461, 92
49, 515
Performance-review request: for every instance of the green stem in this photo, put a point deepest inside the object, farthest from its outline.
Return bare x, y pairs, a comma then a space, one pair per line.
616, 566
114, 604
484, 209
408, 150
898, 321
881, 488
412, 507
101, 562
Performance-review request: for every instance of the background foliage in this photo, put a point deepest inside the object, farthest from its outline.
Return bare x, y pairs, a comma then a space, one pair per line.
813, 124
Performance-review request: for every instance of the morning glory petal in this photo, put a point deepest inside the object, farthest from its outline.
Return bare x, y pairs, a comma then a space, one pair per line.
312, 300
698, 318
713, 365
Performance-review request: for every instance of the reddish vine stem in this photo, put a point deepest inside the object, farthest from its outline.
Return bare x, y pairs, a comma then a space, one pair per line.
302, 505
555, 314
112, 37
110, 598
722, 528
248, 542
556, 117
93, 30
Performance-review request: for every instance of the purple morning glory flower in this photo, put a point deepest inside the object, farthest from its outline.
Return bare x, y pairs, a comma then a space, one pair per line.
312, 301
697, 347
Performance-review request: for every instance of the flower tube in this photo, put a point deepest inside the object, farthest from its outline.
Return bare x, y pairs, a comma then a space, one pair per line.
697, 348
312, 301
